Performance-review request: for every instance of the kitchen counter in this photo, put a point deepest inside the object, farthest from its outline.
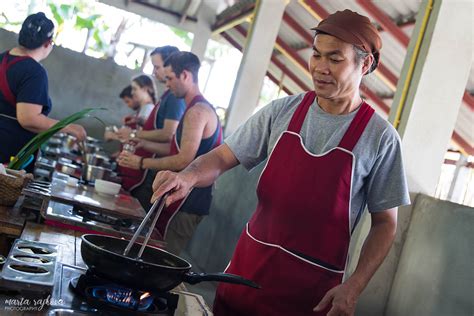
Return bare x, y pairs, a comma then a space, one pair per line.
11, 219
122, 204
70, 253
69, 241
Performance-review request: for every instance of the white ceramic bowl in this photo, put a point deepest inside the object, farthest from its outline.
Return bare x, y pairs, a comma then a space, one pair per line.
107, 187
72, 182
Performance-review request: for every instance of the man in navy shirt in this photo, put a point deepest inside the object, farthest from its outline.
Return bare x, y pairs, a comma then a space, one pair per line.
24, 98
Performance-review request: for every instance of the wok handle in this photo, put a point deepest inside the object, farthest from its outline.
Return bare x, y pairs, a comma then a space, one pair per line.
193, 278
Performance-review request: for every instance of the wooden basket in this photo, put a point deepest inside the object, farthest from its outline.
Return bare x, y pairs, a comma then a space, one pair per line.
11, 185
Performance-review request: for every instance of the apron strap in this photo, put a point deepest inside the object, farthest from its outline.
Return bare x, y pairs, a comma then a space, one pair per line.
197, 99
300, 113
357, 127
219, 137
4, 86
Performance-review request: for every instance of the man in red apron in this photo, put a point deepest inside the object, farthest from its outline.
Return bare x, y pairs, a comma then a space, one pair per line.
198, 132
159, 127
328, 156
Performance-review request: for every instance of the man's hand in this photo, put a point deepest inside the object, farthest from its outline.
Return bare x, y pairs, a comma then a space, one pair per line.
129, 160
342, 298
76, 130
175, 183
123, 134
130, 119
108, 135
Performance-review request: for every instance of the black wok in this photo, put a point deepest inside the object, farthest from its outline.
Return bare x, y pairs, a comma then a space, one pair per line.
156, 271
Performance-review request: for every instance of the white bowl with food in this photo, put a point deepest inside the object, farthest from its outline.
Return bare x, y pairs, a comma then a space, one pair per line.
107, 187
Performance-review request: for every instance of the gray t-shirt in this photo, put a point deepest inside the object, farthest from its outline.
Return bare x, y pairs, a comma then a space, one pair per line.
379, 178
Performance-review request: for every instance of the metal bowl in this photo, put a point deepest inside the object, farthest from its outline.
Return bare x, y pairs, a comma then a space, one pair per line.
92, 173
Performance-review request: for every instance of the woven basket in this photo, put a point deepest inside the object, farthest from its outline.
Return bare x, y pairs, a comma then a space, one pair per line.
11, 185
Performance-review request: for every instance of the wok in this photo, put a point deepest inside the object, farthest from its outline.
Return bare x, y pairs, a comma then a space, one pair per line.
156, 271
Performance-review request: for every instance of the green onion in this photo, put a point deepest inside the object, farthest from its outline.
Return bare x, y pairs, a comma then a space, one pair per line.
32, 146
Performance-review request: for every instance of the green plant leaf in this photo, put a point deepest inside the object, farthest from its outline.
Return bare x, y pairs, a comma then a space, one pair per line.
32, 146
56, 14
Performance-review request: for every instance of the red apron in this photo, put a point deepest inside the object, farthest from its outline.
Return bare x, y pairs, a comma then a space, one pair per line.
133, 178
4, 87
169, 212
296, 243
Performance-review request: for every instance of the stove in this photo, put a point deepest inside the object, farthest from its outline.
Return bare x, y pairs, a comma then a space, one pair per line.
103, 294
89, 219
79, 292
30, 267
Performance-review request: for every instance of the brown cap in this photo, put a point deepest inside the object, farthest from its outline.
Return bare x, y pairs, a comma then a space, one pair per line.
353, 28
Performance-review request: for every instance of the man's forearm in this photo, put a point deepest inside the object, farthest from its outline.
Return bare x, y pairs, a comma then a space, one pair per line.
160, 149
204, 170
172, 163
156, 135
375, 249
39, 124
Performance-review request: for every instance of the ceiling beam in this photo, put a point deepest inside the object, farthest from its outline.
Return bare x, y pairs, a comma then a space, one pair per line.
278, 83
385, 21
390, 26
279, 64
375, 98
239, 47
155, 14
227, 24
304, 33
292, 55
461, 142
314, 8
469, 99
165, 10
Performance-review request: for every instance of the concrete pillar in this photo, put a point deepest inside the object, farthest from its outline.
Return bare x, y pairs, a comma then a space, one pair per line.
427, 122
202, 33
255, 62
436, 91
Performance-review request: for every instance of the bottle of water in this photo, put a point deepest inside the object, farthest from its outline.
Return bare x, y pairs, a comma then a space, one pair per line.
130, 147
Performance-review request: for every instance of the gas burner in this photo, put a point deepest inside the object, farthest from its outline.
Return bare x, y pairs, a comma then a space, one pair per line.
104, 294
88, 215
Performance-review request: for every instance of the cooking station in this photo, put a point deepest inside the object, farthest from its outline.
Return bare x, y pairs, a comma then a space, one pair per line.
44, 266
75, 291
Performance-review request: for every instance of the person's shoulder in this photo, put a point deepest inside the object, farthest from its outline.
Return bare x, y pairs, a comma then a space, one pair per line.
171, 99
32, 68
199, 112
382, 130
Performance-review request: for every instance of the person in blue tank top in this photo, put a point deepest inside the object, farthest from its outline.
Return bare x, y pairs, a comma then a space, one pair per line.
24, 98
198, 132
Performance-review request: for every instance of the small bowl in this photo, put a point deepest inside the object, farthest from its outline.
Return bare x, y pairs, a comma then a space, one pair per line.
107, 187
72, 182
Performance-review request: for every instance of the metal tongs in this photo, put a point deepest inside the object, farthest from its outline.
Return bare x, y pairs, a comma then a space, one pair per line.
160, 203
